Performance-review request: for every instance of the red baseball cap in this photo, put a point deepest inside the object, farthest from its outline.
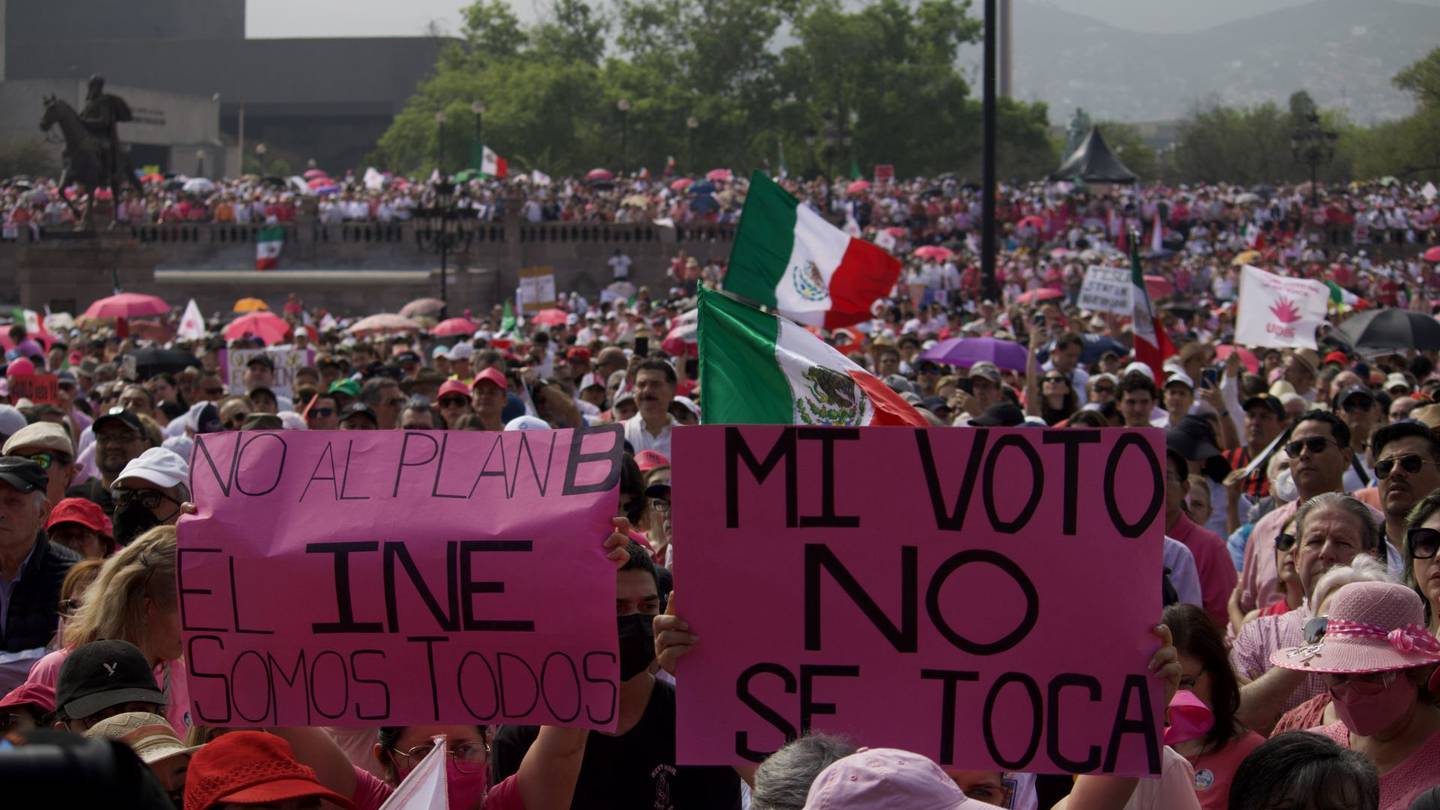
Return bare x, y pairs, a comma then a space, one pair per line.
251, 767
491, 375
30, 694
578, 353
83, 511
1335, 357
649, 460
452, 387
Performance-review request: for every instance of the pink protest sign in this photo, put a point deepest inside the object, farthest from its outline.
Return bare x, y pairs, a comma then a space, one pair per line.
388, 578
983, 597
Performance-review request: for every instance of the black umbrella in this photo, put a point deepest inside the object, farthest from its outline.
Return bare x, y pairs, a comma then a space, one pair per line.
1381, 329
1093, 347
149, 362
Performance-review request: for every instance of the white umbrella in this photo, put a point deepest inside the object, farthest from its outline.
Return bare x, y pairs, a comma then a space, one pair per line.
198, 185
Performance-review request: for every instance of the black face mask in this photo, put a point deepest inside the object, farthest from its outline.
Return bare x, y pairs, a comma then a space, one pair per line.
132, 520
637, 644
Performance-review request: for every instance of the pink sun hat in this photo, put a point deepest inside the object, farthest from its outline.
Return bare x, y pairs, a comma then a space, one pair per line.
886, 777
1371, 627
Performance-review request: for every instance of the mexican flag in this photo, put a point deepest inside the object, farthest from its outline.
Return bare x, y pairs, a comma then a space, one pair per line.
34, 322
760, 369
267, 247
492, 164
1342, 300
1152, 345
788, 257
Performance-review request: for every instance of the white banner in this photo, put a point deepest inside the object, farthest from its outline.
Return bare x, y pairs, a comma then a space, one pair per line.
537, 289
1108, 289
287, 361
1278, 311
192, 323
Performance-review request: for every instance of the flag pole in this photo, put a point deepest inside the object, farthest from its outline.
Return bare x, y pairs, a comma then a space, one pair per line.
990, 288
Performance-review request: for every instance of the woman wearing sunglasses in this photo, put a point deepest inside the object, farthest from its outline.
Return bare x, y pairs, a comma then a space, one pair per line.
1376, 658
1422, 567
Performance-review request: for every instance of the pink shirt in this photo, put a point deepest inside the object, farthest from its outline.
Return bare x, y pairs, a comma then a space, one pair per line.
1214, 771
1260, 579
1250, 654
1398, 788
1212, 563
170, 675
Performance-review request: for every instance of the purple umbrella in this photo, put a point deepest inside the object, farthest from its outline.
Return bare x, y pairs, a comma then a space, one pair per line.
966, 352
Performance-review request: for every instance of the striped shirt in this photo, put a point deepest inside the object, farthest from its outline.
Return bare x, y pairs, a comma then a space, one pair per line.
1255, 485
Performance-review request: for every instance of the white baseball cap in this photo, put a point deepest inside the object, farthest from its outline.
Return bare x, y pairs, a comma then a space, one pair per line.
1180, 377
1141, 368
159, 466
461, 351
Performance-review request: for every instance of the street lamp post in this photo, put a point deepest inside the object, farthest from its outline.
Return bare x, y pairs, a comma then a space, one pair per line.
439, 236
440, 141
260, 150
623, 105
691, 124
1313, 146
199, 162
478, 151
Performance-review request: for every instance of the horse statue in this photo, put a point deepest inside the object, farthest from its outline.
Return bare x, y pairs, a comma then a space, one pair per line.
86, 158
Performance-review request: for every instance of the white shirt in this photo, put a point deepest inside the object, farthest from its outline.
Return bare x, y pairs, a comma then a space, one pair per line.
620, 264
641, 439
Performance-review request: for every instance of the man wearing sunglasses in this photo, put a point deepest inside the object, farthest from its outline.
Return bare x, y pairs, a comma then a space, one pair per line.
1407, 468
1357, 408
48, 445
149, 492
1319, 450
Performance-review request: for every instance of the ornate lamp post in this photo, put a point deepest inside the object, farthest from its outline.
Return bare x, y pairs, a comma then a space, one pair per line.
1313, 145
438, 235
440, 141
691, 124
477, 152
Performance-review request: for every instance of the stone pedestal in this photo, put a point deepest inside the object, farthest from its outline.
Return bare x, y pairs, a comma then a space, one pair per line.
68, 270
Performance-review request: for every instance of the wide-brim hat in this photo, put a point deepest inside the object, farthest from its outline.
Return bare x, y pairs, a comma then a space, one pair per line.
1371, 627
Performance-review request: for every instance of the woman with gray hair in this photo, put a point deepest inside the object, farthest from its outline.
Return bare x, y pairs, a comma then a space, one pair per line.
1331, 529
783, 780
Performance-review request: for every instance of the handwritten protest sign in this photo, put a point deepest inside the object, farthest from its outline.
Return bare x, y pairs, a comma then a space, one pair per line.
38, 388
536, 290
1107, 289
287, 359
389, 578
983, 597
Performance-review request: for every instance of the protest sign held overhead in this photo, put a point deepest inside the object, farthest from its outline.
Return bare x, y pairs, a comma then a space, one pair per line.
39, 389
1279, 311
1108, 289
287, 361
536, 290
983, 597
390, 578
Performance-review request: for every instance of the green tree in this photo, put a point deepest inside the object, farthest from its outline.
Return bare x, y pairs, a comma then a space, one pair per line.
29, 157
1422, 80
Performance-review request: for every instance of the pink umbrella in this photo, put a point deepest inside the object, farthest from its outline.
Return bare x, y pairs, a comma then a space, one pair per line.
897, 231
1252, 364
1159, 287
310, 174
719, 176
126, 305
857, 187
1036, 222
551, 317
319, 182
1433, 254
935, 252
682, 184
454, 326
267, 326
599, 174
421, 307
1039, 294
384, 323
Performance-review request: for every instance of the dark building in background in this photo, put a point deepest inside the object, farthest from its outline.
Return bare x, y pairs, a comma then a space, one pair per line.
328, 99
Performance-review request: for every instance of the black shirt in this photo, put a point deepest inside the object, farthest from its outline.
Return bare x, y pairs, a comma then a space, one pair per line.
633, 771
33, 613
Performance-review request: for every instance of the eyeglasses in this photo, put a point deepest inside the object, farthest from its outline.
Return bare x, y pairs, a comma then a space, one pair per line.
148, 498
1366, 685
1354, 404
1104, 389
1056, 378
1315, 444
1409, 462
117, 436
1314, 629
1284, 542
1423, 542
454, 402
322, 411
44, 460
468, 757
397, 402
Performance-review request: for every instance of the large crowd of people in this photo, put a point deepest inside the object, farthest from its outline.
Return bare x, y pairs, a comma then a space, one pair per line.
1301, 510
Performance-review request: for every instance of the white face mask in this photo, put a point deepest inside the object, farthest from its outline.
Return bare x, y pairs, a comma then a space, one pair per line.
1283, 487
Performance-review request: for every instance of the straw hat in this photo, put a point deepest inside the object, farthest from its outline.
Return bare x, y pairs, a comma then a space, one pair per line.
1371, 627
149, 735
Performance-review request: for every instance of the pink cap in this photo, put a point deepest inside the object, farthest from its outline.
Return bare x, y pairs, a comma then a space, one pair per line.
650, 460
491, 375
886, 777
30, 694
453, 387
20, 367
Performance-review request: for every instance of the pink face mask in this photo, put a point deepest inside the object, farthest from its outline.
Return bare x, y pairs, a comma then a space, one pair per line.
1368, 714
466, 790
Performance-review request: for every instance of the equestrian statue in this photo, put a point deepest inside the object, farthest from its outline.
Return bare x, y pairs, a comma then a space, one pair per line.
93, 157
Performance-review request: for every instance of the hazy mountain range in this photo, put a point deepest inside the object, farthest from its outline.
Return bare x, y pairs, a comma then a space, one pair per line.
1344, 52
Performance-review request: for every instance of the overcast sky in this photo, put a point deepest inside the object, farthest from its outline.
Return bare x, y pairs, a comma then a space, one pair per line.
374, 18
